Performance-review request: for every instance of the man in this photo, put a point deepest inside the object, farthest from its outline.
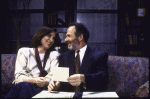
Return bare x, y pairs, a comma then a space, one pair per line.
92, 74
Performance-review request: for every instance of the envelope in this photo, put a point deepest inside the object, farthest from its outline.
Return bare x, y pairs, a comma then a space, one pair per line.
60, 74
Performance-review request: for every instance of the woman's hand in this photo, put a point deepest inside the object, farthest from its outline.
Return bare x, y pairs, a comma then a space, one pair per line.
40, 81
16, 81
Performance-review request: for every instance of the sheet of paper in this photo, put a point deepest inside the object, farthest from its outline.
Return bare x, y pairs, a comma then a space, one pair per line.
54, 94
57, 94
60, 73
100, 95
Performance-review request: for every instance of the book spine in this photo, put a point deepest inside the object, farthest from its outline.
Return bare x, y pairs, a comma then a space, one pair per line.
135, 39
130, 39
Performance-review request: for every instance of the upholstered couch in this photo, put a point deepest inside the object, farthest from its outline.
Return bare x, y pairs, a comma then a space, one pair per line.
126, 75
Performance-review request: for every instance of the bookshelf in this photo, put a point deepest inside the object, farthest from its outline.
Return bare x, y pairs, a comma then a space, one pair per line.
135, 41
55, 18
58, 14
133, 30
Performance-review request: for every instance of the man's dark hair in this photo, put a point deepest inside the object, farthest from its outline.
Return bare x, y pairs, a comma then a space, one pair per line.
81, 29
43, 31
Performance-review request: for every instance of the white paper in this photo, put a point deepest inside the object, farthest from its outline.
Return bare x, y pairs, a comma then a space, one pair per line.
60, 73
99, 95
54, 94
57, 94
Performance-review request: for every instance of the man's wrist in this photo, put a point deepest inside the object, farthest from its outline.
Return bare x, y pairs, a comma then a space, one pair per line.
82, 78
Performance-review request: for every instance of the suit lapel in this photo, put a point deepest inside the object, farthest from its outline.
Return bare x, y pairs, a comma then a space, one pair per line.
70, 62
86, 61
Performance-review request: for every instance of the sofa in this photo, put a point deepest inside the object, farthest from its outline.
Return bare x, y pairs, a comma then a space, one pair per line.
128, 76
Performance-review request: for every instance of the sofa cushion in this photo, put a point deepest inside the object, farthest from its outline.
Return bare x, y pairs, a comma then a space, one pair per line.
127, 74
7, 70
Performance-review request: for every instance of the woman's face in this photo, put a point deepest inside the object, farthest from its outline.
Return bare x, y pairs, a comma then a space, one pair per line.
48, 40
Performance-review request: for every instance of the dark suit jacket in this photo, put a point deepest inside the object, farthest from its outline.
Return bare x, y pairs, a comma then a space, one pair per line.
94, 67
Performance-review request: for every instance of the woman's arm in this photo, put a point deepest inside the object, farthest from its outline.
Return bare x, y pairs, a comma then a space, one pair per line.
53, 63
21, 65
21, 74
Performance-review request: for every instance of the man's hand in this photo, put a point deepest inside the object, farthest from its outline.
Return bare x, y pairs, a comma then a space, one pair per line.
53, 85
76, 79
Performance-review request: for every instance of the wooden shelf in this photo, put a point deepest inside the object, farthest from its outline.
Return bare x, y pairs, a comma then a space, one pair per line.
61, 26
96, 11
58, 5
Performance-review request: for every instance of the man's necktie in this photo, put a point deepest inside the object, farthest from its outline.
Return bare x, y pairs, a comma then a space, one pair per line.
77, 67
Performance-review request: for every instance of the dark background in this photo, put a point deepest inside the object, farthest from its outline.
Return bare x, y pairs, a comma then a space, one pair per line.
107, 22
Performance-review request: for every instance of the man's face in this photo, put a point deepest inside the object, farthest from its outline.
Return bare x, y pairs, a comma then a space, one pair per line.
71, 39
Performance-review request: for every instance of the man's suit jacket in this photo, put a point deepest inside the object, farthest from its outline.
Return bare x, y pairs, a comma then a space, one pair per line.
94, 67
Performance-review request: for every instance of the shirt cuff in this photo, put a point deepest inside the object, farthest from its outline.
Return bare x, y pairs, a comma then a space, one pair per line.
84, 85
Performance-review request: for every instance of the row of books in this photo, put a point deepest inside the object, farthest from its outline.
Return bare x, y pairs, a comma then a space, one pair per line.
132, 39
53, 19
135, 53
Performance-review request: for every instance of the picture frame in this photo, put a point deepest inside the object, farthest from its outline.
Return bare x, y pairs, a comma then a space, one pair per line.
62, 36
141, 12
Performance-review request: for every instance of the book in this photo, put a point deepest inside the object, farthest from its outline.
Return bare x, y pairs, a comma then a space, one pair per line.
135, 53
52, 19
135, 39
61, 21
130, 39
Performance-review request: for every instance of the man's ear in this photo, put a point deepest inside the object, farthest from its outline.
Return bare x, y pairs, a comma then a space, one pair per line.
80, 38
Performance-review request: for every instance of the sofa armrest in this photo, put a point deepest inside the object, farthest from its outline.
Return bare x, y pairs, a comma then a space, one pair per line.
142, 91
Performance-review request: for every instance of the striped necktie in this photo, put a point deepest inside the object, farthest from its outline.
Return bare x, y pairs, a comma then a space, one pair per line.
77, 67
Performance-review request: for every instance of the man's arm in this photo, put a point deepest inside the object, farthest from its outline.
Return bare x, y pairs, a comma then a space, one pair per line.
98, 79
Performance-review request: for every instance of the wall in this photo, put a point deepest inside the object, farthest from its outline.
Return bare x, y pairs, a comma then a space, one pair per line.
31, 23
102, 26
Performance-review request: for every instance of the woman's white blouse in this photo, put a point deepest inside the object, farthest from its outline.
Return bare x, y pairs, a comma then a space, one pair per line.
26, 64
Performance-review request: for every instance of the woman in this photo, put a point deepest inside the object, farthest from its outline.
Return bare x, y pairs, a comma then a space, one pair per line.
33, 65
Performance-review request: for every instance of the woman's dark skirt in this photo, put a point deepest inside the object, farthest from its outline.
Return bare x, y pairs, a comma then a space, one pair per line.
24, 90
